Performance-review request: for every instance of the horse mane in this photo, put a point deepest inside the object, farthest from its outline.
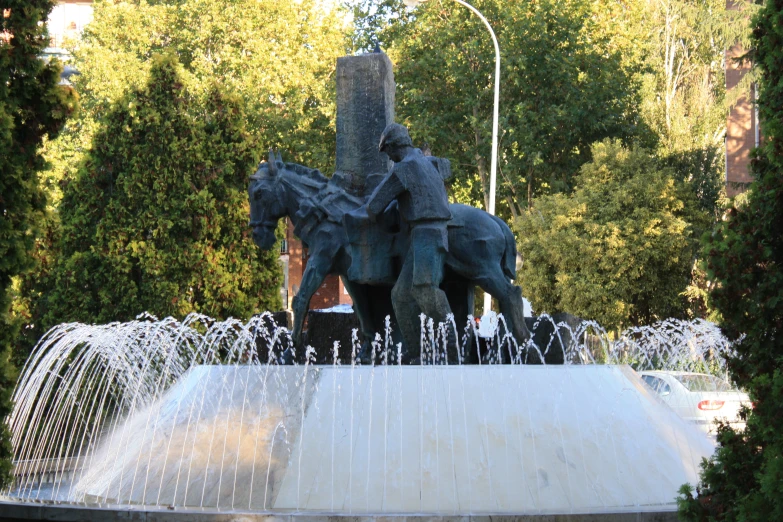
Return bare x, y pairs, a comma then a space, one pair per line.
315, 191
301, 170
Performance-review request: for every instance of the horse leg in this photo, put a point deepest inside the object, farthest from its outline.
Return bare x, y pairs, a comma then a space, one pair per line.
317, 268
509, 298
361, 306
407, 311
460, 293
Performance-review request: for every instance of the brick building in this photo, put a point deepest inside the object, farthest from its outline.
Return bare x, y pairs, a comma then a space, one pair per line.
742, 128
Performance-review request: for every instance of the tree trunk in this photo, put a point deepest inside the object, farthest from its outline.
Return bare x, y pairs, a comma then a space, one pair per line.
530, 188
481, 162
513, 206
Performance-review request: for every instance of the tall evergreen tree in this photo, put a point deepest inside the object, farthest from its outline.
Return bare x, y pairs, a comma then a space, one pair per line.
744, 479
156, 217
276, 57
32, 106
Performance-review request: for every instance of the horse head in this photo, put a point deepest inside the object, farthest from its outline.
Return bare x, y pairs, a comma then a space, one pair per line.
266, 204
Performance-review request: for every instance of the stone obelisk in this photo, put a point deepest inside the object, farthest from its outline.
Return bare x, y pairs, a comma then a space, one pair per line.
365, 106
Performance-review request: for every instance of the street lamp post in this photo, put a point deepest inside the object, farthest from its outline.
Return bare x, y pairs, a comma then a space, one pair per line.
495, 112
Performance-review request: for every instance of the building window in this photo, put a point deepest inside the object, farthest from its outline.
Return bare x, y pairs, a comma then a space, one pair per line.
284, 246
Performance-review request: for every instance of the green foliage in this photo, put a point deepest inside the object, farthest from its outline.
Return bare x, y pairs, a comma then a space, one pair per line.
573, 73
156, 217
684, 102
62, 156
32, 106
744, 480
683, 87
564, 85
619, 249
375, 23
276, 57
703, 171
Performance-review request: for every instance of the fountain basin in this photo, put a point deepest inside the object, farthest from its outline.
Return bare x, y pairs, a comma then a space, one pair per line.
18, 511
411, 440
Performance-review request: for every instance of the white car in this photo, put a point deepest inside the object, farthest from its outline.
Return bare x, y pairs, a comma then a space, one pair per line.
698, 397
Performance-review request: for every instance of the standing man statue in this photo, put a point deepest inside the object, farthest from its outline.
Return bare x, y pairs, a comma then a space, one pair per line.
418, 188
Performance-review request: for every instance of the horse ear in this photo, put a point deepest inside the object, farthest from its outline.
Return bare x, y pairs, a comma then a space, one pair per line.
272, 163
279, 157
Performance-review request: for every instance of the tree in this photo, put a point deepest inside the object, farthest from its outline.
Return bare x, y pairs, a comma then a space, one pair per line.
619, 249
684, 97
32, 106
684, 94
156, 217
565, 85
277, 57
744, 478
376, 23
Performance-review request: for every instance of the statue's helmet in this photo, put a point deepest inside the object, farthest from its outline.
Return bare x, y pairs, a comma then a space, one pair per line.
394, 135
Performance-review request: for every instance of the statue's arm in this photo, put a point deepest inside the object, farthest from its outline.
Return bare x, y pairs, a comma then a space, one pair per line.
386, 192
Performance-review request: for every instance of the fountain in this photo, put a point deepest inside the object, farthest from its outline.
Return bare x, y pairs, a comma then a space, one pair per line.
199, 415
167, 419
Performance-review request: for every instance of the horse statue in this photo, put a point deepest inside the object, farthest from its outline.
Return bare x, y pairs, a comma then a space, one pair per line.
482, 250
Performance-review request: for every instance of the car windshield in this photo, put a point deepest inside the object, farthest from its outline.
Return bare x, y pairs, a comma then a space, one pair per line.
703, 383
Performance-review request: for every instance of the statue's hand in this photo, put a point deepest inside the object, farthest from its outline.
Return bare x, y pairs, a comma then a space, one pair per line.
357, 216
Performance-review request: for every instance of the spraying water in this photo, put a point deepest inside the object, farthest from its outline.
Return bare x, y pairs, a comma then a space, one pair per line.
197, 412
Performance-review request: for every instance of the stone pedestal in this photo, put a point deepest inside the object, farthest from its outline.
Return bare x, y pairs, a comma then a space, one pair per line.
323, 329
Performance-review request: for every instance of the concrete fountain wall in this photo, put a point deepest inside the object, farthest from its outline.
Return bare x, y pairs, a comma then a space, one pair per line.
405, 440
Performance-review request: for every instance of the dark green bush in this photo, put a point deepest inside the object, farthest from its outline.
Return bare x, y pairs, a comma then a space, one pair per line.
156, 217
744, 479
32, 107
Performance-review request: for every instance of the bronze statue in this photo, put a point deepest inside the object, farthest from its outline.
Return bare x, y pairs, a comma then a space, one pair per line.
417, 186
404, 236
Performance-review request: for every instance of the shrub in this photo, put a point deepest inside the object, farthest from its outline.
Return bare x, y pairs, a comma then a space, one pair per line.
619, 249
32, 107
744, 479
156, 217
